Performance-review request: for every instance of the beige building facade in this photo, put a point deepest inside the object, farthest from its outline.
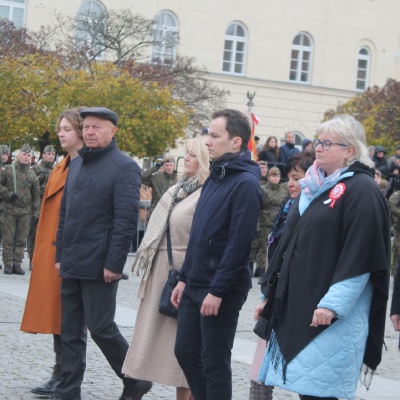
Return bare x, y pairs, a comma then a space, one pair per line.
299, 57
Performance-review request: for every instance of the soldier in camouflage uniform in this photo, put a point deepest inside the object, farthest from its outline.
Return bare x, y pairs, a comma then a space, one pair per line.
19, 188
394, 209
42, 170
273, 195
255, 244
160, 182
4, 160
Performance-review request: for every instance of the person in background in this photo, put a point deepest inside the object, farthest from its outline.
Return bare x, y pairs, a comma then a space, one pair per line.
395, 306
273, 194
160, 177
307, 145
19, 189
149, 357
296, 168
42, 312
4, 154
333, 284
215, 276
380, 161
395, 158
286, 151
270, 152
42, 170
255, 244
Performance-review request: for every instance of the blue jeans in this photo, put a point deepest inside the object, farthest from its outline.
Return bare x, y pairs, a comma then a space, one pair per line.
203, 345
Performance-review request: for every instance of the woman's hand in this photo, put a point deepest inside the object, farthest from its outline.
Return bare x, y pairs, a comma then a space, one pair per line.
322, 316
258, 309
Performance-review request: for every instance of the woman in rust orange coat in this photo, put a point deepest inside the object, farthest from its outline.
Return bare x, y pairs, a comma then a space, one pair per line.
43, 304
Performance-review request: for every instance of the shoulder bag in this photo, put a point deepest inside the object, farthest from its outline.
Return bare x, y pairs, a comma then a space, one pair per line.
165, 306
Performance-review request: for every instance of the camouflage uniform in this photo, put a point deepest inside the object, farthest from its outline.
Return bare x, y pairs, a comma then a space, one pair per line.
17, 213
256, 240
159, 182
3, 150
273, 196
42, 170
394, 209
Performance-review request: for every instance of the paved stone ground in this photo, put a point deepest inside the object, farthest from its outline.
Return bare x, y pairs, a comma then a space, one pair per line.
25, 359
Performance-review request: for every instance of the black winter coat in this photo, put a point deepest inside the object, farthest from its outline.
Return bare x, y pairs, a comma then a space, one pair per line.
98, 214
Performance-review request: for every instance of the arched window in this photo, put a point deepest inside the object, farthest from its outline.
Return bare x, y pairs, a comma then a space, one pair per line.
87, 33
14, 10
234, 49
363, 64
165, 38
300, 61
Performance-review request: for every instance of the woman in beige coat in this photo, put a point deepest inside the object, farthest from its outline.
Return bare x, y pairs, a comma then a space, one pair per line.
151, 353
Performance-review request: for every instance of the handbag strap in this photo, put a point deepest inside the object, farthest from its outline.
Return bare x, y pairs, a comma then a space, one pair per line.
169, 248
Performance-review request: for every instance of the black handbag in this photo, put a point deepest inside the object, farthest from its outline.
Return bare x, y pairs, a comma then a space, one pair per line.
166, 307
263, 326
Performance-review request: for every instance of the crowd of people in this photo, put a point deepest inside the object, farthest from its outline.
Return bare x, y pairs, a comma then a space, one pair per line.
304, 221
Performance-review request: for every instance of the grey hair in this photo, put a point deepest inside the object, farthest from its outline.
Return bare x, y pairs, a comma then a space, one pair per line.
351, 131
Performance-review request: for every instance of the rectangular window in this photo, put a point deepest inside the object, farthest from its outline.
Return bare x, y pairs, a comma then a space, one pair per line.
14, 10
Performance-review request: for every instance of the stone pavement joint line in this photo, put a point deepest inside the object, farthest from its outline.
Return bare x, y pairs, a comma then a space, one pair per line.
26, 360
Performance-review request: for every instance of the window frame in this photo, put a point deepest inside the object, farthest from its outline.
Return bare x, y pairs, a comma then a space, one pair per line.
21, 5
165, 52
102, 8
301, 49
235, 40
367, 58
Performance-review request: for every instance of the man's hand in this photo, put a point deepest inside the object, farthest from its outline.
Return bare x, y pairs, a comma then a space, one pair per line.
110, 276
210, 305
176, 295
395, 318
57, 266
258, 309
322, 316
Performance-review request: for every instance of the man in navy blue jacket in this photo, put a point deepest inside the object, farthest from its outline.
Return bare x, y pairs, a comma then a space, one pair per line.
98, 217
215, 276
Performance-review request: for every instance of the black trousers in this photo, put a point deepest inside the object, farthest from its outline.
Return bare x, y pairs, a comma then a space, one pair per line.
92, 304
203, 345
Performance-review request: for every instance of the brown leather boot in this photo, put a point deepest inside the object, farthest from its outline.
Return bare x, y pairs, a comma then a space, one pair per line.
8, 269
17, 269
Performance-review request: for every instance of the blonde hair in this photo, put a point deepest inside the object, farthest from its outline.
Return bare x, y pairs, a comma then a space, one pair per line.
199, 149
352, 133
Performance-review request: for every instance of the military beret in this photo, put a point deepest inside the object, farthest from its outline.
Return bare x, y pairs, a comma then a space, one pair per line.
168, 158
49, 149
25, 148
100, 112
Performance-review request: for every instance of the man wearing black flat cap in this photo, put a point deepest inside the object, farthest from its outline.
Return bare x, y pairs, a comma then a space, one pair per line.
98, 216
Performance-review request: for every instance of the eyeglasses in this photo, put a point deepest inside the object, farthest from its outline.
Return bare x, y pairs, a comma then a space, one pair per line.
326, 144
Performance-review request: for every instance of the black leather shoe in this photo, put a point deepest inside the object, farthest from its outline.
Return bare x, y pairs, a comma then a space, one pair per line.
47, 388
135, 390
67, 398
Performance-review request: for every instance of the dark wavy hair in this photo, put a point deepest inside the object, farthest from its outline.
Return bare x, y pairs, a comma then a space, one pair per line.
300, 160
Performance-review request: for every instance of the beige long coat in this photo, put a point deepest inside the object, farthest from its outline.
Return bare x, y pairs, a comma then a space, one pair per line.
151, 353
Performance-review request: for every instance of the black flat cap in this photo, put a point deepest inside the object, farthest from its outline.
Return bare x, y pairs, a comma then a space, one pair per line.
101, 112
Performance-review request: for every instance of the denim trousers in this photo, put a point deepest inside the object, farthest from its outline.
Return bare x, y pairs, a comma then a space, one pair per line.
203, 345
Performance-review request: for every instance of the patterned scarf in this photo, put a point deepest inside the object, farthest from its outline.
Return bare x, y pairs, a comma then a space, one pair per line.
314, 183
158, 224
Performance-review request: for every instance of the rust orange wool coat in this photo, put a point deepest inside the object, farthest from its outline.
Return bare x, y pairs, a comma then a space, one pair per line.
43, 304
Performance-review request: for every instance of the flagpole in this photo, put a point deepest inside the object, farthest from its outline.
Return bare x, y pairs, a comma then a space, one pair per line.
250, 104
